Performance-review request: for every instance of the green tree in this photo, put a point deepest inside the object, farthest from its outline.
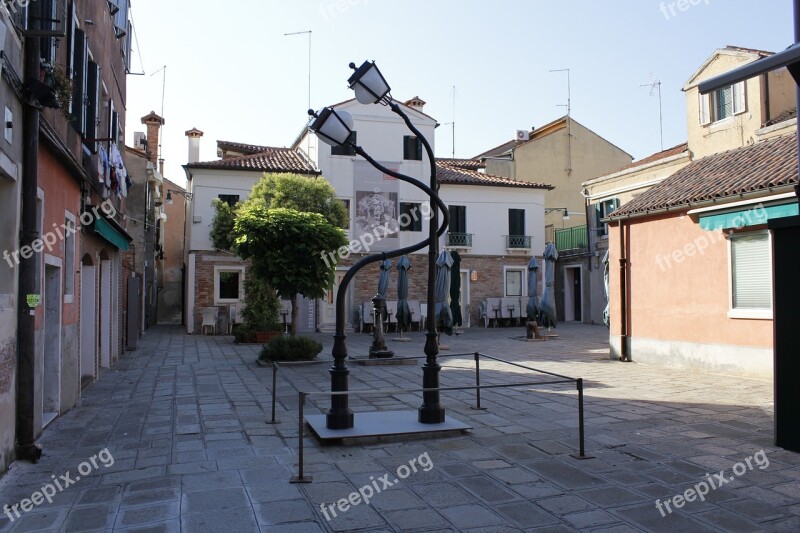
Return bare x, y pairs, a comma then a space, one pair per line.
287, 250
261, 305
222, 235
302, 193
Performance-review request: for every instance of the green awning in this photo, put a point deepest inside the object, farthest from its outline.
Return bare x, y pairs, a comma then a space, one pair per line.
107, 231
753, 216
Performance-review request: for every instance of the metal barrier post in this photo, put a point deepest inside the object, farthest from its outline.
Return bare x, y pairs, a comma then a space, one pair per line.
582, 453
274, 390
300, 478
478, 383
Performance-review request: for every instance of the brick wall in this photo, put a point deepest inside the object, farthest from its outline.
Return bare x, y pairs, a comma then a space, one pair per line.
204, 280
490, 282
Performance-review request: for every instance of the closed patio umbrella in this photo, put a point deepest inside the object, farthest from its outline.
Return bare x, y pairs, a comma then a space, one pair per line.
455, 290
548, 303
444, 320
403, 312
383, 280
532, 309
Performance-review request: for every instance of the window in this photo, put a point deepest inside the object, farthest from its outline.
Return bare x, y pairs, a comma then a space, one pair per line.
601, 211
412, 148
514, 282
348, 149
228, 285
346, 203
722, 103
69, 257
751, 275
49, 45
458, 218
92, 105
516, 222
230, 199
410, 217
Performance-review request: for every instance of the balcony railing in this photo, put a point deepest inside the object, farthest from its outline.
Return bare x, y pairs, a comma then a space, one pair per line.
518, 241
575, 239
459, 240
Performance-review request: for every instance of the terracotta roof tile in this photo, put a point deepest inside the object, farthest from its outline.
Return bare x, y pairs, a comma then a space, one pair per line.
669, 152
460, 176
782, 117
242, 148
468, 164
762, 166
268, 160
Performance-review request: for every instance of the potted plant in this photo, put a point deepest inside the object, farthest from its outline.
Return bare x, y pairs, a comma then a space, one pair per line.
288, 348
260, 313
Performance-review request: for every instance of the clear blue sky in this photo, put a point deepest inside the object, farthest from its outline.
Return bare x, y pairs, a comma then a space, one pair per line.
232, 73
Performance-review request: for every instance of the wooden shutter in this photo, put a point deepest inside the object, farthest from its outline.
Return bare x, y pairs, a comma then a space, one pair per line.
92, 104
705, 108
738, 98
80, 58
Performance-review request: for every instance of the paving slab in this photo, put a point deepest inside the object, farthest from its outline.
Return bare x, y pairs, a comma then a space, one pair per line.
185, 418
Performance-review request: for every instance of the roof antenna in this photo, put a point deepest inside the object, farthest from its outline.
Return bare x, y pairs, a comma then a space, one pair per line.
454, 122
569, 120
655, 85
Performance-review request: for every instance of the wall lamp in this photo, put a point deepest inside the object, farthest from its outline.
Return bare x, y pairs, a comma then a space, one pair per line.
185, 194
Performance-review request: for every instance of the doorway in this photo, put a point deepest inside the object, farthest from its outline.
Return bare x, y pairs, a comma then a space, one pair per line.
327, 308
105, 313
463, 298
51, 368
573, 294
88, 321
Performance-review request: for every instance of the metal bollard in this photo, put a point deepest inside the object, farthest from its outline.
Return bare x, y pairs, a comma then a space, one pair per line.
582, 453
274, 390
478, 383
300, 478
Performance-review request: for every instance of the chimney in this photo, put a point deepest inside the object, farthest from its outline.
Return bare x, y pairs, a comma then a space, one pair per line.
416, 103
153, 123
194, 144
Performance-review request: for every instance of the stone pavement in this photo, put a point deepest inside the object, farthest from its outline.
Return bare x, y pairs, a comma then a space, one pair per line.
185, 419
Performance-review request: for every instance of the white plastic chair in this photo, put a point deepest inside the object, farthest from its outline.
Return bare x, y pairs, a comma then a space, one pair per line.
209, 320
391, 312
413, 306
367, 317
423, 315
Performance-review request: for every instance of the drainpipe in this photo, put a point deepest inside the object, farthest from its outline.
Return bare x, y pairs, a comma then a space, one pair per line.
26, 447
623, 294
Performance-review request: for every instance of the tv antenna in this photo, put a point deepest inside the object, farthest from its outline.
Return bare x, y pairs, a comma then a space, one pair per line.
655, 87
307, 32
569, 120
453, 124
163, 69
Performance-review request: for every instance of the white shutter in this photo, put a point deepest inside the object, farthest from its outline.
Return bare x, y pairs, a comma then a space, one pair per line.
752, 271
738, 98
705, 104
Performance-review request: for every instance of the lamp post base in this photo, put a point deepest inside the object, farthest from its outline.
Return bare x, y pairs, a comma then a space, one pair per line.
430, 415
343, 420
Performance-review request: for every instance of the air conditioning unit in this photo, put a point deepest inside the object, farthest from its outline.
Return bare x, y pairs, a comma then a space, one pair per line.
523, 135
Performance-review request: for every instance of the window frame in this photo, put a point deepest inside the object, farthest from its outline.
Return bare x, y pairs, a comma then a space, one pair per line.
454, 217
407, 148
512, 269
602, 210
219, 270
746, 312
416, 222
709, 104
227, 199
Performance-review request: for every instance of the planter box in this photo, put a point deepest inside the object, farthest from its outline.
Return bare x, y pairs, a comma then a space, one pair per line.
263, 337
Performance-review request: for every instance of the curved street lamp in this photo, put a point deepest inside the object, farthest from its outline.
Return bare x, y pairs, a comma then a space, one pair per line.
336, 129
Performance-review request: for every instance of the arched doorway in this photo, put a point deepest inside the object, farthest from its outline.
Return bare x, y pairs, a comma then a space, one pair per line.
88, 320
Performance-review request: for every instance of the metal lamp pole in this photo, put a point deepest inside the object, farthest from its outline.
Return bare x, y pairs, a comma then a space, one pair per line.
334, 128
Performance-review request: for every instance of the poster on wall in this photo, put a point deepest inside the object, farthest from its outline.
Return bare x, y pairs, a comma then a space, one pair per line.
377, 208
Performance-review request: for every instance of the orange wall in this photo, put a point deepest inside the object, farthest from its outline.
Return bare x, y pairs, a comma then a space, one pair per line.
681, 300
61, 193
